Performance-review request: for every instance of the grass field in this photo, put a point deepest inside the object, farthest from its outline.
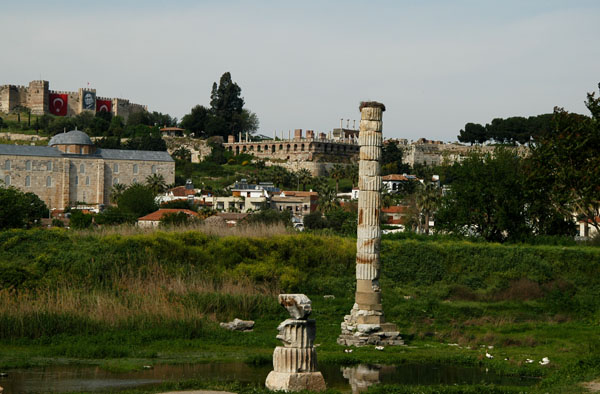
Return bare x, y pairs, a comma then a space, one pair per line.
124, 301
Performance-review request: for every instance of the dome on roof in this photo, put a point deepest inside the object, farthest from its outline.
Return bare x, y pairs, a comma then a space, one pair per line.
73, 137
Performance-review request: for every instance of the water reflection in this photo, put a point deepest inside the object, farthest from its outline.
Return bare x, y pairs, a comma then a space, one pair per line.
356, 378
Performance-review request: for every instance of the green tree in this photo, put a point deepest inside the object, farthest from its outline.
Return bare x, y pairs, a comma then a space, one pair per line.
565, 163
391, 159
304, 176
427, 199
196, 120
473, 133
114, 216
80, 220
18, 209
279, 175
327, 199
337, 172
182, 153
156, 183
115, 192
314, 221
137, 200
487, 198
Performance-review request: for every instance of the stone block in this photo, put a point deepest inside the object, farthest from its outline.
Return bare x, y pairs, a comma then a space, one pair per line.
371, 307
368, 297
298, 305
370, 138
370, 125
369, 232
369, 183
371, 113
292, 360
297, 333
367, 245
370, 152
312, 381
370, 319
238, 325
367, 271
369, 168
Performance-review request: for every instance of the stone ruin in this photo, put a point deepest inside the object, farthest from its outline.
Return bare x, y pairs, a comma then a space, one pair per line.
366, 325
295, 363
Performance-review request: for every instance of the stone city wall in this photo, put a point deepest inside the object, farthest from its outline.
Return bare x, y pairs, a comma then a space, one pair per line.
36, 97
437, 154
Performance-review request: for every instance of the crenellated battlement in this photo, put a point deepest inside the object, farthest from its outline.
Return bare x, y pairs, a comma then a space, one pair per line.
36, 97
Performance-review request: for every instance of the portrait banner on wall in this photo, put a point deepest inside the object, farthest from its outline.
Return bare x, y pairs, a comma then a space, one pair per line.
88, 100
58, 104
103, 105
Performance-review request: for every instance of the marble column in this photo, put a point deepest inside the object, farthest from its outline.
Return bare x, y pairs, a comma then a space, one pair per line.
366, 323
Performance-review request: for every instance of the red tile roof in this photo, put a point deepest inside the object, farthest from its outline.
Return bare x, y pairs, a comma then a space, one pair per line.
397, 177
181, 191
395, 209
297, 193
156, 216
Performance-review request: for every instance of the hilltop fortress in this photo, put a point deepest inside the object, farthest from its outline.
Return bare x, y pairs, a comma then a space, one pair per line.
40, 100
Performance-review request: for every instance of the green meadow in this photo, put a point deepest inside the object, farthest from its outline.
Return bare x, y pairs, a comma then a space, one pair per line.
124, 301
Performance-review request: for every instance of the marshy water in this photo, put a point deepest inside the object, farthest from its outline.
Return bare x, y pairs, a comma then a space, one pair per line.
346, 378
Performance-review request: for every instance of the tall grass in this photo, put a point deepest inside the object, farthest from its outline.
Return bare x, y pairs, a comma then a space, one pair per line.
140, 302
242, 230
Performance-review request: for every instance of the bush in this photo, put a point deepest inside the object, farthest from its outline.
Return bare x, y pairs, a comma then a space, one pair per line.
57, 223
80, 220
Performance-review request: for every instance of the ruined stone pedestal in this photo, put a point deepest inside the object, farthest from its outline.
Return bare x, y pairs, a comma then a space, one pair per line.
366, 325
295, 363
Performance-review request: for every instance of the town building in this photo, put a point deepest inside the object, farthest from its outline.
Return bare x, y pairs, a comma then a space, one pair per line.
152, 220
394, 182
71, 169
298, 202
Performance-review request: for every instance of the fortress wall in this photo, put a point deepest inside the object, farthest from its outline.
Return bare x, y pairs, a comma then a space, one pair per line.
36, 97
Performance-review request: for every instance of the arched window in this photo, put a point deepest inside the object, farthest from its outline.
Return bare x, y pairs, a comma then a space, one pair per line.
28, 165
302, 147
27, 180
49, 166
154, 169
7, 165
115, 168
134, 180
49, 180
115, 181
135, 168
87, 180
82, 168
7, 180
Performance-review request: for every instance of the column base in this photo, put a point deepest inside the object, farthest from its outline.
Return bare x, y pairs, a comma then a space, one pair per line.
298, 381
363, 327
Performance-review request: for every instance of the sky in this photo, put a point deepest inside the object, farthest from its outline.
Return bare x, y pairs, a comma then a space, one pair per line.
436, 65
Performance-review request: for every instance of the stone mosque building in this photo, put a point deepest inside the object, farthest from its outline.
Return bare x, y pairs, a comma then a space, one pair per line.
72, 169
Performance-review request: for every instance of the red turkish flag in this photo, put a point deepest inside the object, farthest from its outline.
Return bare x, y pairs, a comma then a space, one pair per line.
58, 104
103, 105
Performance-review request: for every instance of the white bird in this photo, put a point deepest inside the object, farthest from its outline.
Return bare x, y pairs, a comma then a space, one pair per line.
545, 361
488, 355
379, 347
529, 361
347, 350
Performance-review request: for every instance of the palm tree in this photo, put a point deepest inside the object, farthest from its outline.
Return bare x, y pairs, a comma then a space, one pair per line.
328, 199
115, 192
304, 177
427, 200
279, 175
156, 182
337, 172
